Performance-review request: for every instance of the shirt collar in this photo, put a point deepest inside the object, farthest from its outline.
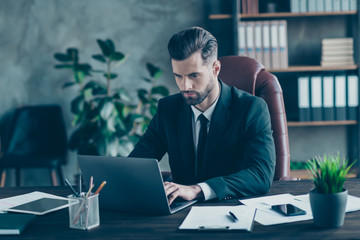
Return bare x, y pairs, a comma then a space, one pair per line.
208, 113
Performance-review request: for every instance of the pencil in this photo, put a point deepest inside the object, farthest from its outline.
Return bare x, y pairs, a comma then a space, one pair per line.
101, 186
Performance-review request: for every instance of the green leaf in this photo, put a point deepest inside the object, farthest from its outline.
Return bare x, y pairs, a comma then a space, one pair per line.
123, 94
111, 45
88, 94
99, 57
77, 105
107, 110
62, 57
152, 110
73, 53
110, 75
154, 71
68, 84
142, 95
104, 47
64, 66
97, 88
79, 76
117, 56
162, 90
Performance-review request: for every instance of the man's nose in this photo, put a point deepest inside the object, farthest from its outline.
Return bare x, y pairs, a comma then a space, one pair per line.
187, 84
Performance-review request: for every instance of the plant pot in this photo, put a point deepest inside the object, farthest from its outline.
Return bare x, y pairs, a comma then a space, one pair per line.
328, 209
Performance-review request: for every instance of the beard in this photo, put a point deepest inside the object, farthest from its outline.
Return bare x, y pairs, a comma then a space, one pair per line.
198, 97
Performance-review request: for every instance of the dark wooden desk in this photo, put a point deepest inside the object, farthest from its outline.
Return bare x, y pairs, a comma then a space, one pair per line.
115, 225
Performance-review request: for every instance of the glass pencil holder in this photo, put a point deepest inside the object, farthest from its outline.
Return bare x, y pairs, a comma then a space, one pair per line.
84, 212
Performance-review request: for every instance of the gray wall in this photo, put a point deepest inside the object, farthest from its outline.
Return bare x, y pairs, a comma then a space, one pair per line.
33, 30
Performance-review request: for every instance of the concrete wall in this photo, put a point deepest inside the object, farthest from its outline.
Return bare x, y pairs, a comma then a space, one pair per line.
33, 30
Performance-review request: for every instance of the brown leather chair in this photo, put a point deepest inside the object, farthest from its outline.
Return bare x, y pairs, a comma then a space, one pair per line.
249, 75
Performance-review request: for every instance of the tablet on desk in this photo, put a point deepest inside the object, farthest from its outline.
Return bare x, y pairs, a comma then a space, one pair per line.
41, 206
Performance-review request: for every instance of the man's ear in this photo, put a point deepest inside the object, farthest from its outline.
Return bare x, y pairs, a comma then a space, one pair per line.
216, 68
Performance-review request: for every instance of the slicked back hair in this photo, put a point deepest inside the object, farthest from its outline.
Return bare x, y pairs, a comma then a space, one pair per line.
184, 43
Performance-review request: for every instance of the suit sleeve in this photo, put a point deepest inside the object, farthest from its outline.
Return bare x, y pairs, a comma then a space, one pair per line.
259, 157
151, 145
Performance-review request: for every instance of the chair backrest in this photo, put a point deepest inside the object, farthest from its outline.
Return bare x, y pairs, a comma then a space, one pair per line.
249, 75
37, 131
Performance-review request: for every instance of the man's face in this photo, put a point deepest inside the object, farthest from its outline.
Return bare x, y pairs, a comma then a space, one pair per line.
194, 78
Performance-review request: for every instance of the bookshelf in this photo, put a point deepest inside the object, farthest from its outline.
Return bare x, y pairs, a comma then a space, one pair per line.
304, 34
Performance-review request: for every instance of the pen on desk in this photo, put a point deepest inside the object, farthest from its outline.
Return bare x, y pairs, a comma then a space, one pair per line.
233, 217
80, 190
72, 189
101, 186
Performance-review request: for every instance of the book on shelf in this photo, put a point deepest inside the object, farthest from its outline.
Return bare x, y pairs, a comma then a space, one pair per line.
340, 97
337, 51
352, 97
337, 41
316, 98
328, 98
265, 41
303, 6
303, 99
250, 6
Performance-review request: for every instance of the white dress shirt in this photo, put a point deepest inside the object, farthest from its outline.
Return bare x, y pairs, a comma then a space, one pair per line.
206, 189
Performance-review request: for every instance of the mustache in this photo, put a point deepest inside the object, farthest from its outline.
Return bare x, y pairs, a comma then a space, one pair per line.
189, 91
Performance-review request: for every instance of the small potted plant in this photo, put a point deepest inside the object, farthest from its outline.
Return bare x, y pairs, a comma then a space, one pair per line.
328, 198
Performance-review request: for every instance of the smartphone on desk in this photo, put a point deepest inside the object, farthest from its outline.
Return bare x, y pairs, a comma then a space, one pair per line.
288, 210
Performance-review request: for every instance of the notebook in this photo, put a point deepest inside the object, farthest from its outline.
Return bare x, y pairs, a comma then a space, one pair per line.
132, 184
14, 224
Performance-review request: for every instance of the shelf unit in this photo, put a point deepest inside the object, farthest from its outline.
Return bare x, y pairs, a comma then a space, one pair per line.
304, 52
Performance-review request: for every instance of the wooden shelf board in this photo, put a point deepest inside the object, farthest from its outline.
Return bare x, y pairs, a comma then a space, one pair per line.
282, 14
314, 68
322, 123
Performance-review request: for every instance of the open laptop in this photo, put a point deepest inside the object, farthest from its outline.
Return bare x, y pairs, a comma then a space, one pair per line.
133, 184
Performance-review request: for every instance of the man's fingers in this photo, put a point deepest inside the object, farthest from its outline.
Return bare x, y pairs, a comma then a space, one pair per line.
173, 196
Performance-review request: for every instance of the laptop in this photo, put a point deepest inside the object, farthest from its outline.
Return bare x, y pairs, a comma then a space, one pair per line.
132, 184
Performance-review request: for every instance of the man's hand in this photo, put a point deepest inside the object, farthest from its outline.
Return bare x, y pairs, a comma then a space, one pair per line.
174, 190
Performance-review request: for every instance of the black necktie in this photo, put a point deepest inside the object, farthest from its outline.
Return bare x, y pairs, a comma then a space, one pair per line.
201, 147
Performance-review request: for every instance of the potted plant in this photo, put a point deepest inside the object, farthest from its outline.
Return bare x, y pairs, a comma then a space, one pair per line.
328, 198
107, 120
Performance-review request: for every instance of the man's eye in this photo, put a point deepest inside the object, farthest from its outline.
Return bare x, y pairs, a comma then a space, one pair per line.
195, 75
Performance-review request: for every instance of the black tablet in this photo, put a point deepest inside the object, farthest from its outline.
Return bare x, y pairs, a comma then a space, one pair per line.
41, 206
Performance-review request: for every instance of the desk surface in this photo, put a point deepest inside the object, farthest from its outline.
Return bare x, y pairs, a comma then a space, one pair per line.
115, 225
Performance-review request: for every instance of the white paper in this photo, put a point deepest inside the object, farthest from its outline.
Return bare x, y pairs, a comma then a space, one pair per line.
10, 202
218, 217
266, 216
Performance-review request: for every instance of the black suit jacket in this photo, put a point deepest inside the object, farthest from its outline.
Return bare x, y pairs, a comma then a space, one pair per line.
240, 152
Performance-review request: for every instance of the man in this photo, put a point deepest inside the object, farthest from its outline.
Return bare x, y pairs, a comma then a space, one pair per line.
218, 138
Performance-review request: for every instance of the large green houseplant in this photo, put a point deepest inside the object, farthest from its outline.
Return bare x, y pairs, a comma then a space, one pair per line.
329, 197
107, 120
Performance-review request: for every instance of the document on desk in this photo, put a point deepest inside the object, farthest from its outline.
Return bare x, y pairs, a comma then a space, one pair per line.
219, 218
10, 202
266, 216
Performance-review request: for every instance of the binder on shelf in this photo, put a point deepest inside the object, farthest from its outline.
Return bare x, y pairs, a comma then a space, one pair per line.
295, 6
353, 5
320, 5
266, 44
337, 5
242, 39
345, 5
328, 96
274, 43
283, 46
340, 97
244, 6
352, 97
328, 6
316, 98
303, 99
250, 48
258, 42
303, 6
312, 5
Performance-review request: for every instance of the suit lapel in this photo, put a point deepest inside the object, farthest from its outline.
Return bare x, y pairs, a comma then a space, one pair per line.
219, 120
186, 139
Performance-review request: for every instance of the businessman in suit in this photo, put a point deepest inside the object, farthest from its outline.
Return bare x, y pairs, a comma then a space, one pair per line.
218, 138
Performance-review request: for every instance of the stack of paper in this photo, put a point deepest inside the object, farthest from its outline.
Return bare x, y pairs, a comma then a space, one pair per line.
337, 51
